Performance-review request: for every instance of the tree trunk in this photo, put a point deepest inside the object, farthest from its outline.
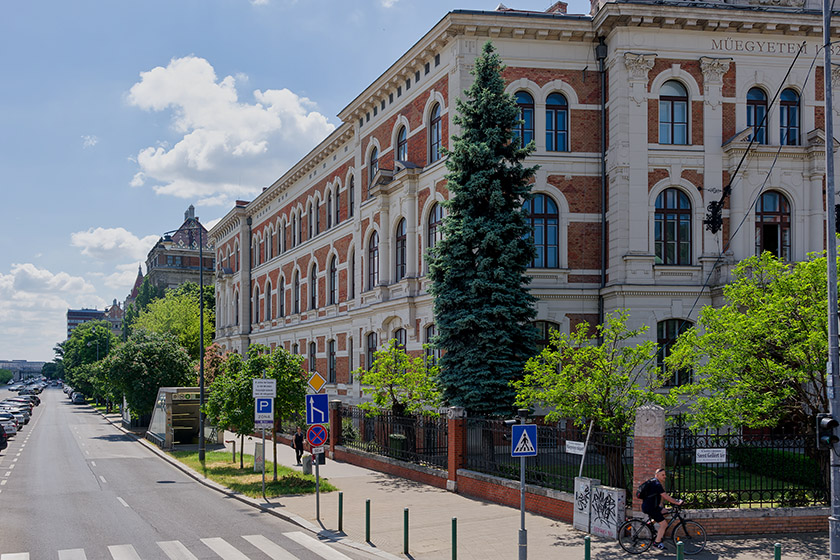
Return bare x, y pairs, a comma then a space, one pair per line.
241, 451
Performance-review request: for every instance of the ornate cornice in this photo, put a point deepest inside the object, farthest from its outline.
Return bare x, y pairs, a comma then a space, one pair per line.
638, 65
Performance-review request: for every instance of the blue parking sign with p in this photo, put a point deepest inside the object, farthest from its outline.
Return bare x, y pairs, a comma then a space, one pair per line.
265, 406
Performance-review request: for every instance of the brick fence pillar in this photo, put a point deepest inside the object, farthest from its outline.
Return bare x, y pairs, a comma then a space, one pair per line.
335, 426
648, 446
456, 444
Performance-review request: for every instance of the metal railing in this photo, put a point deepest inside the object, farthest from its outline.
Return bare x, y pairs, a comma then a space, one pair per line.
416, 439
731, 469
608, 458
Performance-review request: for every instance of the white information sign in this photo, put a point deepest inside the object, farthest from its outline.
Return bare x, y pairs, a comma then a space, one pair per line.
574, 447
714, 455
317, 450
264, 388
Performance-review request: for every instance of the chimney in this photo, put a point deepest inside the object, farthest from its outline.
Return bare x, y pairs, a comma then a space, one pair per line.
190, 213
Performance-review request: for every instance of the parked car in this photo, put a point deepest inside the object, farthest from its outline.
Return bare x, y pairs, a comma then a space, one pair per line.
4, 442
78, 398
16, 410
9, 423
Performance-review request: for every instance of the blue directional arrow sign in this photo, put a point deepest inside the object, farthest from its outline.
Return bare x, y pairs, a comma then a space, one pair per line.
317, 409
523, 441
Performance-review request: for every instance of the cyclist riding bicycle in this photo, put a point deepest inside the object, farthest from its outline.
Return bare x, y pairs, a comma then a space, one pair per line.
651, 504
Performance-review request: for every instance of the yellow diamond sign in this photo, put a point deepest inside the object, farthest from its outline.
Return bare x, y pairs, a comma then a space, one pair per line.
317, 382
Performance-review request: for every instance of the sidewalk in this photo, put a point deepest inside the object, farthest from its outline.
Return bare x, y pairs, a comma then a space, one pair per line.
485, 531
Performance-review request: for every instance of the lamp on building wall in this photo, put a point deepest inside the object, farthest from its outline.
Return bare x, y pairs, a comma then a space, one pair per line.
167, 235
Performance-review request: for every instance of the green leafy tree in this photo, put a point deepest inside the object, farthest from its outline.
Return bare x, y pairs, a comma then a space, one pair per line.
6, 376
400, 383
584, 380
89, 343
230, 404
760, 359
52, 370
483, 309
178, 313
146, 294
143, 364
214, 360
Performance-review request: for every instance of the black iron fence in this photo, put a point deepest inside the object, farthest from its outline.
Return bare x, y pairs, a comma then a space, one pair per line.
417, 439
608, 458
732, 469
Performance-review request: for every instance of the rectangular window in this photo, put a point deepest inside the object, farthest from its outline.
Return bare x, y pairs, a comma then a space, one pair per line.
437, 60
399, 91
390, 98
417, 76
427, 68
408, 84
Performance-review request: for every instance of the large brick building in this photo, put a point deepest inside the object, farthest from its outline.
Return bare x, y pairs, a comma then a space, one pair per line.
329, 260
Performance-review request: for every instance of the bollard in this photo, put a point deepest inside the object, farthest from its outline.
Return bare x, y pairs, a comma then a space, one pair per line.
777, 551
367, 520
454, 538
586, 547
680, 550
341, 511
405, 531
233, 441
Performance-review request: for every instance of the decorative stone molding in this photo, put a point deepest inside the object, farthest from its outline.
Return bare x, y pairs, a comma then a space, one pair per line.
835, 77
713, 70
639, 65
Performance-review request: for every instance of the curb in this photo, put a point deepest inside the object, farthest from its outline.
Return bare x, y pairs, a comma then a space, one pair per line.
322, 534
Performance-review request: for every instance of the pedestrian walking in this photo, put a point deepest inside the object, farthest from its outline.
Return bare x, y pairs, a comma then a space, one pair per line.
298, 445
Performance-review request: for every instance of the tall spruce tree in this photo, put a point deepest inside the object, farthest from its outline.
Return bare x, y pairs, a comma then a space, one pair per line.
483, 308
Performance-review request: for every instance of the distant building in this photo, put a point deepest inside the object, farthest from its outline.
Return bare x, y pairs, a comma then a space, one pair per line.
22, 369
174, 259
114, 315
132, 296
76, 317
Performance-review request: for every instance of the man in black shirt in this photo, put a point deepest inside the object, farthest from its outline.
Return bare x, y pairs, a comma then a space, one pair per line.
298, 445
651, 504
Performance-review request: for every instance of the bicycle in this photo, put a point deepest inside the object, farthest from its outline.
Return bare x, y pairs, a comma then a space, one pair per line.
636, 536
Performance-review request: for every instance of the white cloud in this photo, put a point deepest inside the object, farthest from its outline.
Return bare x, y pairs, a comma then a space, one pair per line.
89, 141
122, 281
388, 3
33, 309
227, 148
112, 244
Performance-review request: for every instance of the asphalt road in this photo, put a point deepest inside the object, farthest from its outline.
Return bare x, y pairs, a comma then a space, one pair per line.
73, 487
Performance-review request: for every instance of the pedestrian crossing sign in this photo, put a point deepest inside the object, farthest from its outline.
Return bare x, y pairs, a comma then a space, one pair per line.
523, 440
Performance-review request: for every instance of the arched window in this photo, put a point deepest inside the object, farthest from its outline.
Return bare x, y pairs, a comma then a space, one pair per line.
236, 309
432, 352
433, 232
371, 348
525, 130
544, 329
256, 304
772, 225
310, 222
313, 287
673, 228
318, 216
544, 217
351, 277
789, 118
673, 113
350, 360
268, 315
351, 197
373, 261
434, 134
296, 294
295, 348
667, 333
756, 110
373, 167
294, 230
281, 298
399, 336
337, 206
329, 209
238, 252
331, 373
556, 123
402, 144
333, 281
300, 227
283, 238
400, 251
313, 350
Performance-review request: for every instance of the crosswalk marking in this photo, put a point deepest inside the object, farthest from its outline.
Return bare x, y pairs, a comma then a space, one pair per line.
224, 549
175, 550
123, 552
272, 550
17, 556
316, 546
72, 554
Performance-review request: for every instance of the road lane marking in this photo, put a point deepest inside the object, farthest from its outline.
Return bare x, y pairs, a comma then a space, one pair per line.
14, 460
175, 550
224, 549
102, 478
8, 473
316, 546
11, 466
123, 552
3, 482
72, 554
17, 556
123, 502
270, 548
93, 463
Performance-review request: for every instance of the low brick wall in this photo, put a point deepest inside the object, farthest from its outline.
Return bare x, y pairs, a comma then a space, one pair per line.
542, 501
417, 473
762, 521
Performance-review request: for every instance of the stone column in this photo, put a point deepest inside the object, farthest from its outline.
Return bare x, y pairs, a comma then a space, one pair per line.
648, 446
457, 443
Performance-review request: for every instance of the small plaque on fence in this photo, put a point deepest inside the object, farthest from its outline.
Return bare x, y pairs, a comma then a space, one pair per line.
715, 455
575, 447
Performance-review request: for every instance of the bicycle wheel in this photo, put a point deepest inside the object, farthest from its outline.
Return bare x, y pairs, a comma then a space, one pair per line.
692, 535
635, 536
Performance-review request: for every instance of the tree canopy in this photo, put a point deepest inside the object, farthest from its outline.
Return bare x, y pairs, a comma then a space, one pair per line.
177, 313
760, 359
483, 309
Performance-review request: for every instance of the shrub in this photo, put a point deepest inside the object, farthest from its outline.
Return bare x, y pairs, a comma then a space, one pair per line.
787, 466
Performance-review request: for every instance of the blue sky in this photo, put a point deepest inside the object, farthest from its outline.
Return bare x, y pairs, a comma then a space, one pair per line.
115, 116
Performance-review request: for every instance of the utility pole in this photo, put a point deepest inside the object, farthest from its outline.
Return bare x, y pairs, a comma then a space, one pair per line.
833, 366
